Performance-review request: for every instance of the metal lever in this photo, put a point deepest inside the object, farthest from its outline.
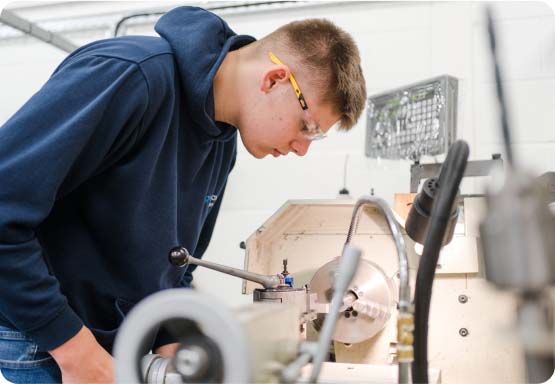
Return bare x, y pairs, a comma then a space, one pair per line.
180, 257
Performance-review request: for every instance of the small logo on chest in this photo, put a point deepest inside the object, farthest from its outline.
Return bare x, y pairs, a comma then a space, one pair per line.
210, 200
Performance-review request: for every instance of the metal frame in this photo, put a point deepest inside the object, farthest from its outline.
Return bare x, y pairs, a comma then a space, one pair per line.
473, 169
447, 116
94, 18
10, 18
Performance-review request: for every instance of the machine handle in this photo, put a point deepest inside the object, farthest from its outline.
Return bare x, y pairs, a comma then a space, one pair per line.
180, 257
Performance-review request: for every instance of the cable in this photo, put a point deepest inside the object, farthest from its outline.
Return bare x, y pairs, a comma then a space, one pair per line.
344, 191
449, 180
405, 318
499, 90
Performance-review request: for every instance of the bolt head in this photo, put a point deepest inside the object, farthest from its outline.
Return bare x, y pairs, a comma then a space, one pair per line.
191, 361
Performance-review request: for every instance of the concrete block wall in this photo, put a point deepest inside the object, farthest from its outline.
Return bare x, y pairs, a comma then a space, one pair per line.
400, 43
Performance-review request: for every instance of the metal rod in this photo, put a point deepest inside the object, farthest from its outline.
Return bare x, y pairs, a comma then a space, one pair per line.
405, 308
473, 169
120, 23
10, 18
346, 271
291, 373
504, 113
395, 228
271, 281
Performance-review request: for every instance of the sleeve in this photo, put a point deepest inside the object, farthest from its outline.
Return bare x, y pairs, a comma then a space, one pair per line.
57, 140
204, 240
164, 336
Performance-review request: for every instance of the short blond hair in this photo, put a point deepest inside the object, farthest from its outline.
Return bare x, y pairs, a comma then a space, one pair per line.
324, 48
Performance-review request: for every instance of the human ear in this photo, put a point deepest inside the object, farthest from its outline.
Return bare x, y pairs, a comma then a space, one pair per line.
273, 76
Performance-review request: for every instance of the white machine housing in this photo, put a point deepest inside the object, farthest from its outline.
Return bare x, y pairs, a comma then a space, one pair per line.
470, 328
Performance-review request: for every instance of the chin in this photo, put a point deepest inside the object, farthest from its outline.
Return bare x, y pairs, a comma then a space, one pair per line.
256, 154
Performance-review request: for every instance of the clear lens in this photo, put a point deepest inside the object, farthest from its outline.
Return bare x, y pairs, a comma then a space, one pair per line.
313, 132
315, 136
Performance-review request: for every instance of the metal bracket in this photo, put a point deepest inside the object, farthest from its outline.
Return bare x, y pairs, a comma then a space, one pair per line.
473, 169
10, 18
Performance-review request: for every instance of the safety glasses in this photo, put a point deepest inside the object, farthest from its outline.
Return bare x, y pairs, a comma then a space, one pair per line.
311, 130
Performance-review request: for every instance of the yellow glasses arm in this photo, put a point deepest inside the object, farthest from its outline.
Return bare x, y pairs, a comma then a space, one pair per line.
298, 92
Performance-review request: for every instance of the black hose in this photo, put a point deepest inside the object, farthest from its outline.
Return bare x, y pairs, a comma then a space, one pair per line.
449, 180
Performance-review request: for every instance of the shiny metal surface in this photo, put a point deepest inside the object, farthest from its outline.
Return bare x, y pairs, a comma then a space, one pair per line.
154, 368
192, 361
375, 298
302, 298
344, 273
180, 257
405, 307
473, 168
218, 323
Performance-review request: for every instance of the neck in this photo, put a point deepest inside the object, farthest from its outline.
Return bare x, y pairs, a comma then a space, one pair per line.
226, 90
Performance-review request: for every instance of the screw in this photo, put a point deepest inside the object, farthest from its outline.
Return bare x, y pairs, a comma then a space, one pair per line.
285, 272
354, 313
463, 332
347, 314
463, 299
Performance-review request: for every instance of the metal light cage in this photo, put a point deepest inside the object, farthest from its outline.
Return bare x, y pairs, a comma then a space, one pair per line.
413, 121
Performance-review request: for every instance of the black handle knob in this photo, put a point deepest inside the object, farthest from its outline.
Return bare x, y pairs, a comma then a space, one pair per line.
179, 256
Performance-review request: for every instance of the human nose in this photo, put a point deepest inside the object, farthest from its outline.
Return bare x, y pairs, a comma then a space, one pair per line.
300, 147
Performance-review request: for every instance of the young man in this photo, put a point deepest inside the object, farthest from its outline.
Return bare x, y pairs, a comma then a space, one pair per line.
125, 152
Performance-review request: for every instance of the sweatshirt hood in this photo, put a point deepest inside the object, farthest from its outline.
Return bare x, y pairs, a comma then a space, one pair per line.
200, 41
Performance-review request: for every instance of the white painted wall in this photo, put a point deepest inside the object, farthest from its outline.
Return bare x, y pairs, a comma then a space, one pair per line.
400, 43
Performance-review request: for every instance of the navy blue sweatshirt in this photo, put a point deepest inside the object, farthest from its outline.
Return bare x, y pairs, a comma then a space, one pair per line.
117, 159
